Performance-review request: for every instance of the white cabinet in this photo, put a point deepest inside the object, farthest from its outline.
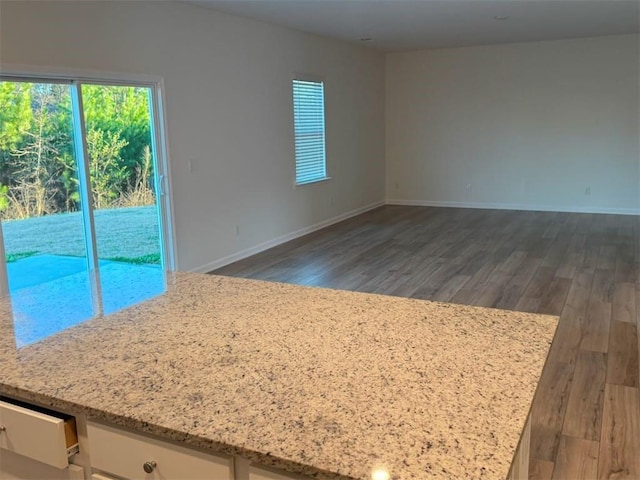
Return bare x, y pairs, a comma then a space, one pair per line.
129, 455
247, 470
36, 443
43, 437
99, 476
120, 453
19, 467
256, 473
520, 464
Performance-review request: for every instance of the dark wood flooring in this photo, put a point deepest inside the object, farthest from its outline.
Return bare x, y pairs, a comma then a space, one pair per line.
585, 268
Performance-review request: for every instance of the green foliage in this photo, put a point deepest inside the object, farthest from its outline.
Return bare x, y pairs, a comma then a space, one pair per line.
15, 119
14, 257
141, 193
32, 168
105, 166
15, 113
150, 259
124, 110
37, 158
4, 199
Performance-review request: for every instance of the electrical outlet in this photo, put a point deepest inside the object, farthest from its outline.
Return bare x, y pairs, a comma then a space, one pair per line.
587, 191
469, 186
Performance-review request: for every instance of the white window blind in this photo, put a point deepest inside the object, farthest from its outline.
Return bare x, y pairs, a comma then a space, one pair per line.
308, 123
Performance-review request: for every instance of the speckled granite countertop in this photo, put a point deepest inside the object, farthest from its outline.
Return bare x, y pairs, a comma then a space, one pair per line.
326, 383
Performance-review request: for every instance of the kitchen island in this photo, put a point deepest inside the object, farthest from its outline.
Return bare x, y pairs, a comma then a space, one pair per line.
317, 382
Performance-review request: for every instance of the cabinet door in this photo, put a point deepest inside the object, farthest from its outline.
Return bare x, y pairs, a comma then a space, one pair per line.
125, 454
19, 467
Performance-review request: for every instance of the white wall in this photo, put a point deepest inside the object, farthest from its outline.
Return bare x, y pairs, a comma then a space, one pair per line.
528, 125
229, 110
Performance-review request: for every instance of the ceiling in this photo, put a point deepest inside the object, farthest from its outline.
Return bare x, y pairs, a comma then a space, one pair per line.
401, 25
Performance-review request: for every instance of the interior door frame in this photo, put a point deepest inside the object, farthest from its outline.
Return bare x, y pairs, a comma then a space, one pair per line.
162, 177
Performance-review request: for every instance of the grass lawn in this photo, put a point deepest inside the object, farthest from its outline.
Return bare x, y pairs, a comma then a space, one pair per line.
124, 234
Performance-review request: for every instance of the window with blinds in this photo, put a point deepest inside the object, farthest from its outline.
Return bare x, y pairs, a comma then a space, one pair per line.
308, 123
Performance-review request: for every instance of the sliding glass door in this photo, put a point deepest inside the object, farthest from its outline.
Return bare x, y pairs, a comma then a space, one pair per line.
82, 207
40, 211
119, 142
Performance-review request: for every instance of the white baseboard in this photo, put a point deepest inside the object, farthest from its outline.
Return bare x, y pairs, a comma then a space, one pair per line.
234, 257
514, 206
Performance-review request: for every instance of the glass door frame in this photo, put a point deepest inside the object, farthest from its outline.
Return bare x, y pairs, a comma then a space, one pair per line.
162, 178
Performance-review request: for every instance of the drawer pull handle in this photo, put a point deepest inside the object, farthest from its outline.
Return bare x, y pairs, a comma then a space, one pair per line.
149, 467
3, 428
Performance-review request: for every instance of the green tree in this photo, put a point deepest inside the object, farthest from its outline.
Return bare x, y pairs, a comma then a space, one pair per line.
15, 119
15, 114
37, 163
32, 166
125, 111
105, 169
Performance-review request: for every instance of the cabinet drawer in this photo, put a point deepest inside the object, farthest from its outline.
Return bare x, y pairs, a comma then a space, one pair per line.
256, 473
124, 454
37, 435
97, 476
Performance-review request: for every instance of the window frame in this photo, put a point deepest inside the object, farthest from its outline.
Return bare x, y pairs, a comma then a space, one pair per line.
315, 79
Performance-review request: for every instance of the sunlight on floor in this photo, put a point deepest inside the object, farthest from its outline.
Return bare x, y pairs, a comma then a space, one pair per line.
61, 296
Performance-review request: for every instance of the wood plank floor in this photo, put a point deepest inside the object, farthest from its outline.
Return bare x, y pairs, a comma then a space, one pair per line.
585, 268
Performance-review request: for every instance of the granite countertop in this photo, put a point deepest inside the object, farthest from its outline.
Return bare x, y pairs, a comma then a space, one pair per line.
320, 382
